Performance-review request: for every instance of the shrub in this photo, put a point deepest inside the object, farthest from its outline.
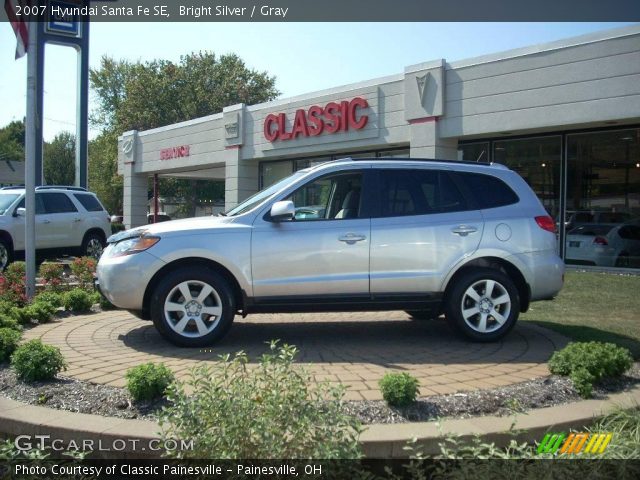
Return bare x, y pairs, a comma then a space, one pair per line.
12, 284
117, 227
20, 315
106, 304
7, 321
51, 275
148, 381
587, 362
54, 298
37, 361
269, 411
83, 269
9, 339
77, 300
399, 389
40, 310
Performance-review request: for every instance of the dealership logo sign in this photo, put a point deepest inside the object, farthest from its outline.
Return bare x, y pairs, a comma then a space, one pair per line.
332, 118
174, 152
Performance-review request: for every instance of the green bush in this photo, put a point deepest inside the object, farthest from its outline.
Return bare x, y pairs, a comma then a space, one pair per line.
78, 300
587, 362
20, 315
7, 321
117, 227
9, 339
106, 304
267, 410
12, 284
54, 298
148, 381
83, 268
399, 389
37, 361
41, 311
51, 275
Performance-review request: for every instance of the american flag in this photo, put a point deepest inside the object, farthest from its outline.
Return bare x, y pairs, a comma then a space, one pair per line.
19, 24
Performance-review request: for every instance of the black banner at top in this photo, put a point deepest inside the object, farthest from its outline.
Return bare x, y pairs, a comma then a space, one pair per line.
332, 10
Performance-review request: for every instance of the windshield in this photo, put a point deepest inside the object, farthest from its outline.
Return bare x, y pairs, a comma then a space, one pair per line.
6, 199
263, 195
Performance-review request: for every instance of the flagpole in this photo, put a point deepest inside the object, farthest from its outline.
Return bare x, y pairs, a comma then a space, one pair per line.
30, 161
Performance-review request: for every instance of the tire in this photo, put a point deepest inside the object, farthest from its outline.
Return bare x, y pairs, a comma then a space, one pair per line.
623, 261
92, 245
6, 255
477, 315
421, 314
181, 318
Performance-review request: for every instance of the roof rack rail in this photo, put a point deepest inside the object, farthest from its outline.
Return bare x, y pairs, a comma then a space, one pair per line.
61, 187
464, 162
12, 187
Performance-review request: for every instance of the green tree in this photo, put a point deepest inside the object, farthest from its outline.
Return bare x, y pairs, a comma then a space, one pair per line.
104, 180
12, 141
140, 96
60, 160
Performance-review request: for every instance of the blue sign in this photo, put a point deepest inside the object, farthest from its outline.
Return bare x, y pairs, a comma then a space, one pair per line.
63, 19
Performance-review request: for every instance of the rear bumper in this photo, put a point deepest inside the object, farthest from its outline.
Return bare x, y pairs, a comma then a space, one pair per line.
544, 273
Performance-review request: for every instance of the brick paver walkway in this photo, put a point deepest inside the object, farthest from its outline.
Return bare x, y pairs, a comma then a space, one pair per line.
356, 349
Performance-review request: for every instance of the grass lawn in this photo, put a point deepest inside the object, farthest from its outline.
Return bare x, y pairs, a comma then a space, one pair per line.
594, 306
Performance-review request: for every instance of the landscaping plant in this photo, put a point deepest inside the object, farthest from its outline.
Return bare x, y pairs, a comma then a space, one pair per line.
36, 361
9, 339
51, 275
399, 389
12, 284
587, 362
84, 268
78, 300
267, 410
148, 381
54, 298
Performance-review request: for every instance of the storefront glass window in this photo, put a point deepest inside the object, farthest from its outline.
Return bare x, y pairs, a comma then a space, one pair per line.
603, 199
538, 161
274, 171
474, 152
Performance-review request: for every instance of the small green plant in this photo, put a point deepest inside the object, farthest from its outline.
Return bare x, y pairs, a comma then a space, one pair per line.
106, 304
54, 298
51, 275
9, 339
7, 321
588, 362
12, 284
399, 389
20, 315
36, 361
83, 268
117, 227
40, 310
148, 381
267, 410
78, 300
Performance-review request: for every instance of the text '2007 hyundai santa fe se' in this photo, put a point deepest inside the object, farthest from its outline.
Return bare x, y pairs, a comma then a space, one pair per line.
466, 239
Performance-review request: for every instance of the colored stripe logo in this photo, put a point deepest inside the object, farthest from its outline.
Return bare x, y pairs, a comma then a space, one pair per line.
575, 443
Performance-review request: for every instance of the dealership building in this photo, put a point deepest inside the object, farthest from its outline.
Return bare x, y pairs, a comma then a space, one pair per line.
565, 115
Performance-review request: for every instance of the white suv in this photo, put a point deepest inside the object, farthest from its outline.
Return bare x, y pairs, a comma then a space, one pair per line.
68, 219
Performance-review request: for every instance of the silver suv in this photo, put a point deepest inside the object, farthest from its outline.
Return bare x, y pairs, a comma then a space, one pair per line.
467, 239
68, 219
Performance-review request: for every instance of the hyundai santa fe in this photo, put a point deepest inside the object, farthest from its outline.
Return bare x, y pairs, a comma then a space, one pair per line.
466, 239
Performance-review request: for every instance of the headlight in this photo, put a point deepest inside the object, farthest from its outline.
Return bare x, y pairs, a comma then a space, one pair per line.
132, 245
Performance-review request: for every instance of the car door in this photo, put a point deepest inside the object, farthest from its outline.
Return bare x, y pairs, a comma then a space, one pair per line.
59, 226
424, 227
323, 251
42, 223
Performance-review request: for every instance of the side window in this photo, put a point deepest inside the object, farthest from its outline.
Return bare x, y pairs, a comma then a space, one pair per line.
488, 191
418, 192
89, 202
328, 198
39, 205
57, 203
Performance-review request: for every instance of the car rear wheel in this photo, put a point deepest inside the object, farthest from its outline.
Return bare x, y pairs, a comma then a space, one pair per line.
483, 305
192, 307
5, 255
92, 245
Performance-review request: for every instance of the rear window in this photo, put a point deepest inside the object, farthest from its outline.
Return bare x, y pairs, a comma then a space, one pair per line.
89, 202
488, 191
591, 230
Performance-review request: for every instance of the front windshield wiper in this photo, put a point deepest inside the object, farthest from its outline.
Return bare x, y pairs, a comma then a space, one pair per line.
222, 214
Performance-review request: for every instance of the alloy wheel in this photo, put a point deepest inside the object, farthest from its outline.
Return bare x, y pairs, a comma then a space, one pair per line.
193, 309
486, 306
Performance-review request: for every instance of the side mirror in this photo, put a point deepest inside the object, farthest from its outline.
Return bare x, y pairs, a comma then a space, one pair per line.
20, 212
282, 211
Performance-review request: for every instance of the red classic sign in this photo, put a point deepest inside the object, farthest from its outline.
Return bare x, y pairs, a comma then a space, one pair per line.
174, 152
333, 118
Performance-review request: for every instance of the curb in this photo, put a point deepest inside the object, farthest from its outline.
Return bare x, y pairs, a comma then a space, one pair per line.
384, 441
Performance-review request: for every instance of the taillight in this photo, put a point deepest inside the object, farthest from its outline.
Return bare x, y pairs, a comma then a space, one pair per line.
545, 222
600, 241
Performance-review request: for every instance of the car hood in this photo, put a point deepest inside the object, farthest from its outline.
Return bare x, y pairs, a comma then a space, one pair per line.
188, 226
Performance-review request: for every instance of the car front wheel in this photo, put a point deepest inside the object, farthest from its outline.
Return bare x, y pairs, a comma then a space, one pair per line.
483, 304
92, 245
192, 307
5, 255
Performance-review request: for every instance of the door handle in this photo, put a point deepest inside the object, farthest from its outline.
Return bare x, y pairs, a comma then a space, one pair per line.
351, 238
46, 221
77, 219
464, 230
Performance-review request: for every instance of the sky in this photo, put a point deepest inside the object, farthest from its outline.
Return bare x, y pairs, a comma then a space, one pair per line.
304, 57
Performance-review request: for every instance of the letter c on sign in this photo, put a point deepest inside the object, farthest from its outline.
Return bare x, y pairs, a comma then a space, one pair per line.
353, 105
269, 133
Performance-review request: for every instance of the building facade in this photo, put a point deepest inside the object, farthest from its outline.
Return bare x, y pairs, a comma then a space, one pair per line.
565, 115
